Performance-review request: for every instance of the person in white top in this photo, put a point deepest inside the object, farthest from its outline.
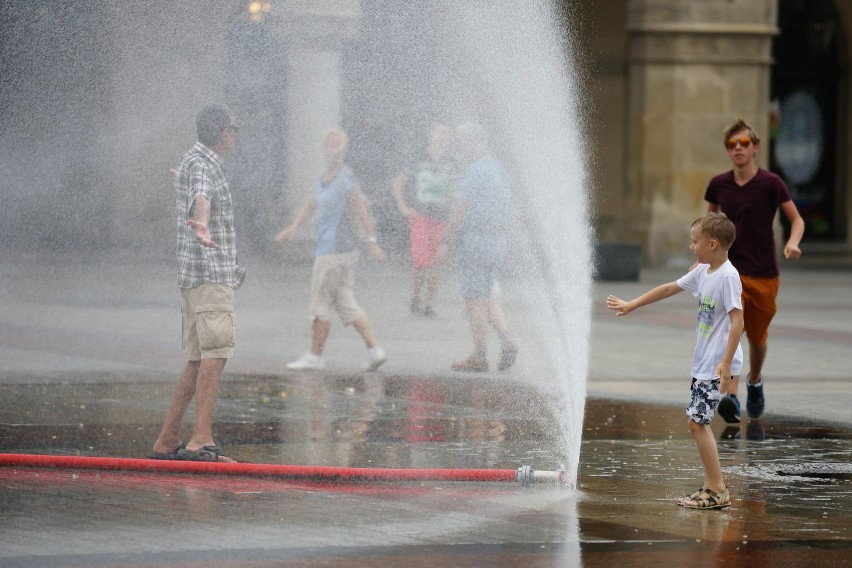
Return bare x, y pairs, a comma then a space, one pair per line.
718, 355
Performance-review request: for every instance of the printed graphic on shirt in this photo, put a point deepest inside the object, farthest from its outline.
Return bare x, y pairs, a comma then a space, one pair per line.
706, 315
433, 186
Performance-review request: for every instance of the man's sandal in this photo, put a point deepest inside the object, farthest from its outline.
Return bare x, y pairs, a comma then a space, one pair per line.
202, 454
708, 499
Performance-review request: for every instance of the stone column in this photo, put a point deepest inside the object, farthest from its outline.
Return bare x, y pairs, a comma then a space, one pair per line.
316, 34
693, 68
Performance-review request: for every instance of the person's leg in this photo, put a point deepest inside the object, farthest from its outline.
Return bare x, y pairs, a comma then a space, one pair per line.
206, 391
319, 334
707, 450
433, 281
497, 319
365, 330
478, 313
419, 261
436, 232
704, 398
323, 282
169, 437
376, 356
756, 358
759, 308
417, 279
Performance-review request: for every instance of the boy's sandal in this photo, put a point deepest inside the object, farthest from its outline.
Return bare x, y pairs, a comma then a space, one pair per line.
709, 499
693, 497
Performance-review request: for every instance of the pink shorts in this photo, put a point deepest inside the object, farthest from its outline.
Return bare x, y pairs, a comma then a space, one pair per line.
427, 235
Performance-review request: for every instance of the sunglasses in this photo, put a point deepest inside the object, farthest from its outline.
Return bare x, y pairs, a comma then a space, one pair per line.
745, 142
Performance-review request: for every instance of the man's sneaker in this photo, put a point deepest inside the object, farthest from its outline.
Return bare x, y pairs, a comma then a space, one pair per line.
375, 357
507, 357
474, 363
755, 401
307, 361
729, 409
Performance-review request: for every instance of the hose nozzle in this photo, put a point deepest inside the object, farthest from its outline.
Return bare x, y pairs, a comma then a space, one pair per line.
527, 476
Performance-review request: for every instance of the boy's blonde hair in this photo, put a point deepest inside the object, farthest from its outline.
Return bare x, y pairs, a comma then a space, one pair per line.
741, 124
717, 226
336, 132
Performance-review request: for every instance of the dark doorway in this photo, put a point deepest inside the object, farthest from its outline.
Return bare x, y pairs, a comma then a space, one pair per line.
803, 136
256, 90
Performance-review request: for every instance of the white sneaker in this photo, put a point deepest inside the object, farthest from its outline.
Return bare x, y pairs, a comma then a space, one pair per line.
375, 357
306, 362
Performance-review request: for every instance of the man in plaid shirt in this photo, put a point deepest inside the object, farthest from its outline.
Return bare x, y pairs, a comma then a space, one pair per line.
208, 274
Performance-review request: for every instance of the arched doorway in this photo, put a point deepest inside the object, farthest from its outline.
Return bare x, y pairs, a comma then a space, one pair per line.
807, 122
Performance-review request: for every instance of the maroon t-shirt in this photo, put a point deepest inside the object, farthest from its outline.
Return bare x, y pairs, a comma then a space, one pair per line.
752, 208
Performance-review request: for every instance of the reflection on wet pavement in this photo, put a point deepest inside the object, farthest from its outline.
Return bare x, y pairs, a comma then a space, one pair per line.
791, 482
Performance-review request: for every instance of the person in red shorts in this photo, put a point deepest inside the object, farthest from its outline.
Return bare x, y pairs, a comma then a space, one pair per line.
750, 197
424, 197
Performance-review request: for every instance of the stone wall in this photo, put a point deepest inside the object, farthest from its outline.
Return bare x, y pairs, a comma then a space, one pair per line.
692, 69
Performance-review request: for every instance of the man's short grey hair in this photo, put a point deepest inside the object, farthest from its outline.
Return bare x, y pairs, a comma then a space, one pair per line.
210, 123
472, 131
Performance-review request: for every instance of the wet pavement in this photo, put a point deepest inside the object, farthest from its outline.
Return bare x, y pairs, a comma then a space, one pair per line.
94, 386
791, 481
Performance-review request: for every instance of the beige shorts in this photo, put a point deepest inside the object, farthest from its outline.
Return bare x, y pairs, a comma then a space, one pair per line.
207, 316
332, 283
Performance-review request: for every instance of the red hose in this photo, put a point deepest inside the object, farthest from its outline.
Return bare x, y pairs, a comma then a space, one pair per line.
256, 469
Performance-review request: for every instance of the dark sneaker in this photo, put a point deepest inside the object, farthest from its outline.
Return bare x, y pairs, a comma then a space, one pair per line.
472, 364
414, 307
755, 431
507, 357
730, 433
729, 409
427, 312
755, 401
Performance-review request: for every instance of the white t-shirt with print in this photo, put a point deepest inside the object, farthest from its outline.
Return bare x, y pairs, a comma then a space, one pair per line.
718, 293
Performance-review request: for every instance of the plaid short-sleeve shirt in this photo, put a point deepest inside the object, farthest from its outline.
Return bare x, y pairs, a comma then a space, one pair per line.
200, 174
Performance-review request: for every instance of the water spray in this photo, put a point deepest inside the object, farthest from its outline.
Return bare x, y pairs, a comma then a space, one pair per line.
524, 475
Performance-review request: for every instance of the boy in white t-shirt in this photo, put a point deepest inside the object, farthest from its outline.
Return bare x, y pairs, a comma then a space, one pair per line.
718, 355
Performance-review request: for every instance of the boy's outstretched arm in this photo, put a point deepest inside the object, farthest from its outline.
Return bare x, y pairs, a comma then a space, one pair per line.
724, 368
661, 292
289, 232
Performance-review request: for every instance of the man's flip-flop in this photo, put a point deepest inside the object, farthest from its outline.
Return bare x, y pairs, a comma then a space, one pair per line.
203, 454
173, 455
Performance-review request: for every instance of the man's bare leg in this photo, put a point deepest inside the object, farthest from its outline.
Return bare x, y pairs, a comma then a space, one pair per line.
169, 437
478, 315
206, 391
365, 330
433, 281
319, 335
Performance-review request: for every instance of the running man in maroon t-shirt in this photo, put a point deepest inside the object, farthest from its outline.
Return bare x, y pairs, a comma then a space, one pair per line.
750, 197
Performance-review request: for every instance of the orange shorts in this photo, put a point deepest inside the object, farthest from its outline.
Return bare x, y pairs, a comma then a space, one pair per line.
426, 237
759, 306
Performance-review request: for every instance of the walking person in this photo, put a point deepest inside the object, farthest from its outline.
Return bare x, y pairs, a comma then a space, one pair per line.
337, 199
477, 229
424, 196
751, 196
208, 274
718, 354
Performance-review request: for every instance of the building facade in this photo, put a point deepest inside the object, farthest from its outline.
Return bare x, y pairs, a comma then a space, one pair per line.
102, 101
